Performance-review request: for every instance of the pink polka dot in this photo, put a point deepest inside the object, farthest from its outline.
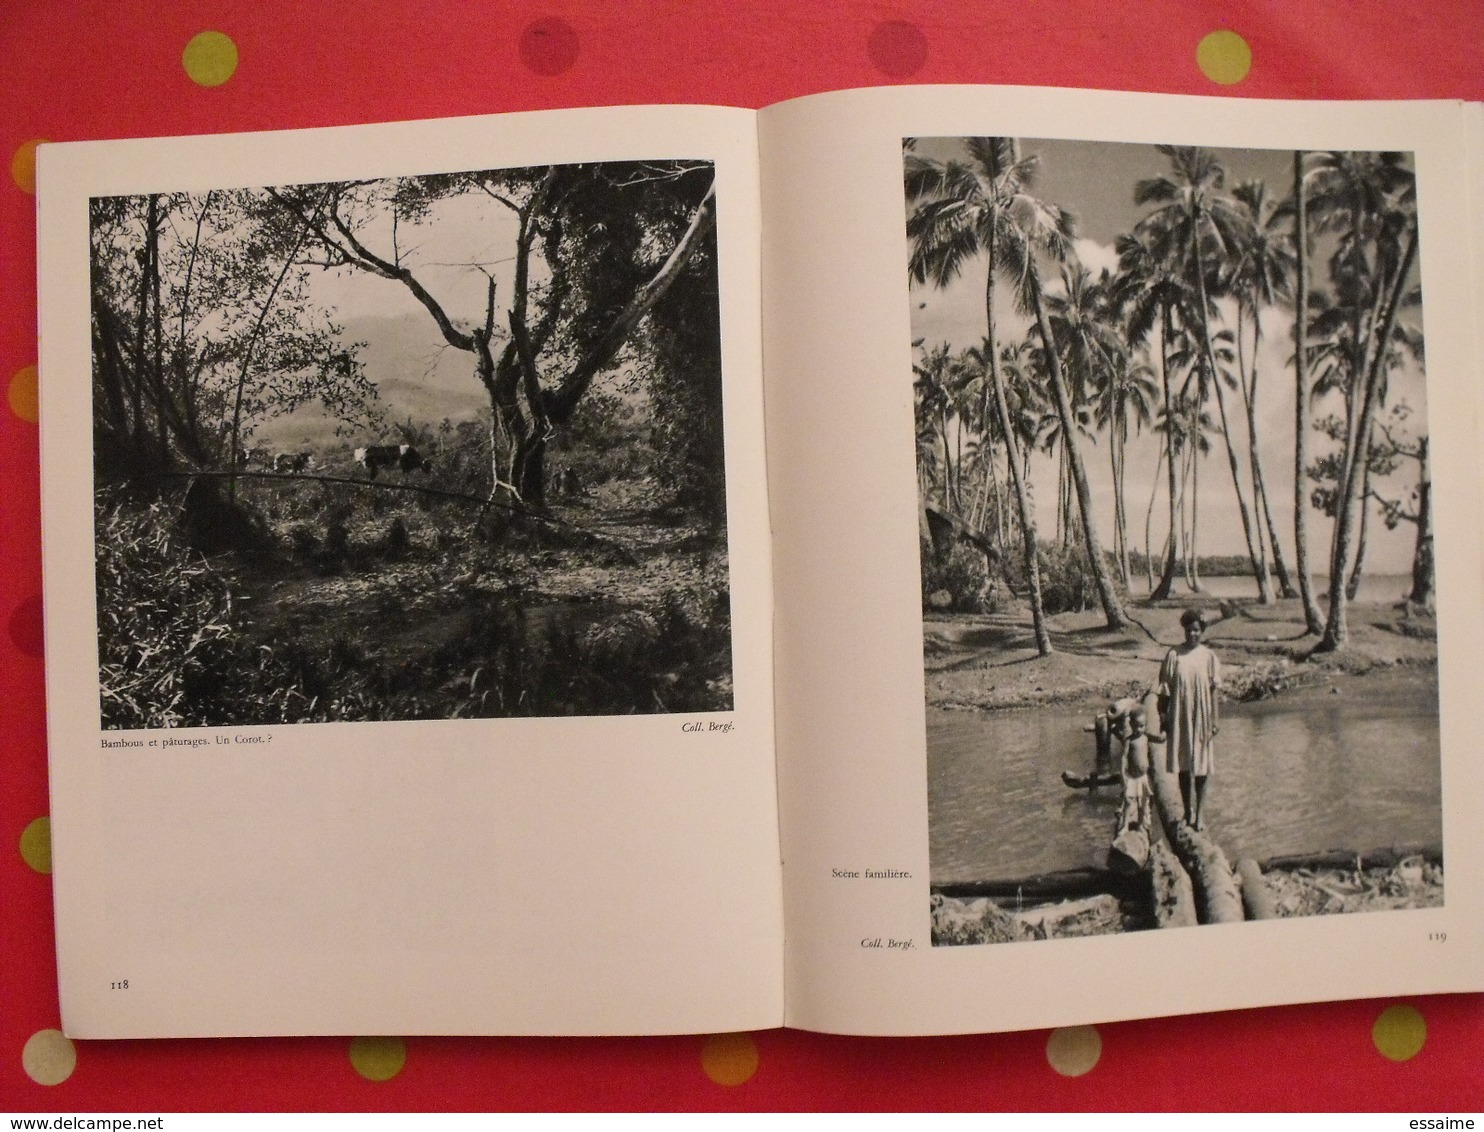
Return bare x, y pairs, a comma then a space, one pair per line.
25, 626
897, 48
548, 46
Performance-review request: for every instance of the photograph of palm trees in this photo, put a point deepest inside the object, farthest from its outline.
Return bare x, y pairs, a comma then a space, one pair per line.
1171, 398
411, 448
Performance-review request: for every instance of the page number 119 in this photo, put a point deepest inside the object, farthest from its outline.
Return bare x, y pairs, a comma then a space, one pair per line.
1437, 937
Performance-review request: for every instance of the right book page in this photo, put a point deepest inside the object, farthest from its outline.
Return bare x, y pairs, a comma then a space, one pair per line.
1124, 665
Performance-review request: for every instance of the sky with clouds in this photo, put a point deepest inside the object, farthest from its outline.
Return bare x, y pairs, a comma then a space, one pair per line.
1095, 181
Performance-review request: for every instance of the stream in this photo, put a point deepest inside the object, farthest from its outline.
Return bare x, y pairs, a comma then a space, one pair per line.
1305, 772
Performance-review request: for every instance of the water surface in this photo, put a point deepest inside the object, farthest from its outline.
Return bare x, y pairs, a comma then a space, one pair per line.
1302, 773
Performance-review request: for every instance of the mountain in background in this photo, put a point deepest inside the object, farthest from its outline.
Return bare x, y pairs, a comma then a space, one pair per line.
416, 375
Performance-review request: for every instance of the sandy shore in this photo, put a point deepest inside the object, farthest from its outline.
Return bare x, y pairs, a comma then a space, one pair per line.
988, 661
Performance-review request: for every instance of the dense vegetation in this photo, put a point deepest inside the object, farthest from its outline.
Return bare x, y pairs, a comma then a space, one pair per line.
564, 552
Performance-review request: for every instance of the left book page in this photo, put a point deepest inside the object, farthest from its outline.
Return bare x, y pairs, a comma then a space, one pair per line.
407, 566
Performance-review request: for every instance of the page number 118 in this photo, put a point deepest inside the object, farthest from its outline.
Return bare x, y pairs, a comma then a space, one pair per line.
122, 984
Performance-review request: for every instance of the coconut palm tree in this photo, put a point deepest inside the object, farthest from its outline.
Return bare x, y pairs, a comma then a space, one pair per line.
1081, 329
986, 205
1370, 200
1260, 280
1149, 293
934, 404
1128, 395
993, 435
976, 413
1193, 427
1055, 443
964, 400
1196, 228
1023, 380
1313, 620
1087, 341
1332, 356
959, 211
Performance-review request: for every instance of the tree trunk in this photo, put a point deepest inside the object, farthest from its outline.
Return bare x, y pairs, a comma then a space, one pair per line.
1120, 516
528, 470
1286, 587
1022, 495
1362, 538
1192, 551
958, 471
1167, 577
1217, 898
1259, 562
157, 361
1423, 593
147, 256
1257, 898
112, 412
1148, 523
1337, 627
1259, 482
1112, 609
1173, 897
1312, 618
1065, 884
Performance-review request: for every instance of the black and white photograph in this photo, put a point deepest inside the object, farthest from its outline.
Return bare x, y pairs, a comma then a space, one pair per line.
1176, 535
411, 448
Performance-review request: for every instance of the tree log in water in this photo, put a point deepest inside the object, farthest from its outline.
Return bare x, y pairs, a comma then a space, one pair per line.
1174, 902
1129, 852
1257, 900
1217, 898
1386, 857
1063, 885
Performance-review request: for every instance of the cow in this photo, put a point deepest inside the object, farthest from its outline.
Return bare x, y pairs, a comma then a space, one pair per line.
247, 457
376, 457
293, 461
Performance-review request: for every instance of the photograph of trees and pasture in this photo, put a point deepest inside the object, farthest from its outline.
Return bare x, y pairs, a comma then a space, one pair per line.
422, 447
1179, 633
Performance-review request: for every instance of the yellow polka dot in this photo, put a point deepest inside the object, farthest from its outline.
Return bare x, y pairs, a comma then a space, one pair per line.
1224, 57
378, 1059
49, 1057
729, 1059
1074, 1050
210, 58
23, 394
23, 165
1400, 1032
36, 845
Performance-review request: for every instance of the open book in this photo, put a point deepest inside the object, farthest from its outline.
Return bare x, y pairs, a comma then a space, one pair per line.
585, 572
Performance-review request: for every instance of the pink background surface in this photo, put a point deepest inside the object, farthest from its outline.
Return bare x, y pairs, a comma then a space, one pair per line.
73, 70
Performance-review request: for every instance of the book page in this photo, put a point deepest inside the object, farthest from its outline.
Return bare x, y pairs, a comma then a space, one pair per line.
408, 579
981, 731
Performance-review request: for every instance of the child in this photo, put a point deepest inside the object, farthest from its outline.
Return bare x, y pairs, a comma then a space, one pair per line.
1133, 730
1106, 727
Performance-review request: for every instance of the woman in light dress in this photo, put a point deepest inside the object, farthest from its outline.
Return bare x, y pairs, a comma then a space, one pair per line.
1188, 683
